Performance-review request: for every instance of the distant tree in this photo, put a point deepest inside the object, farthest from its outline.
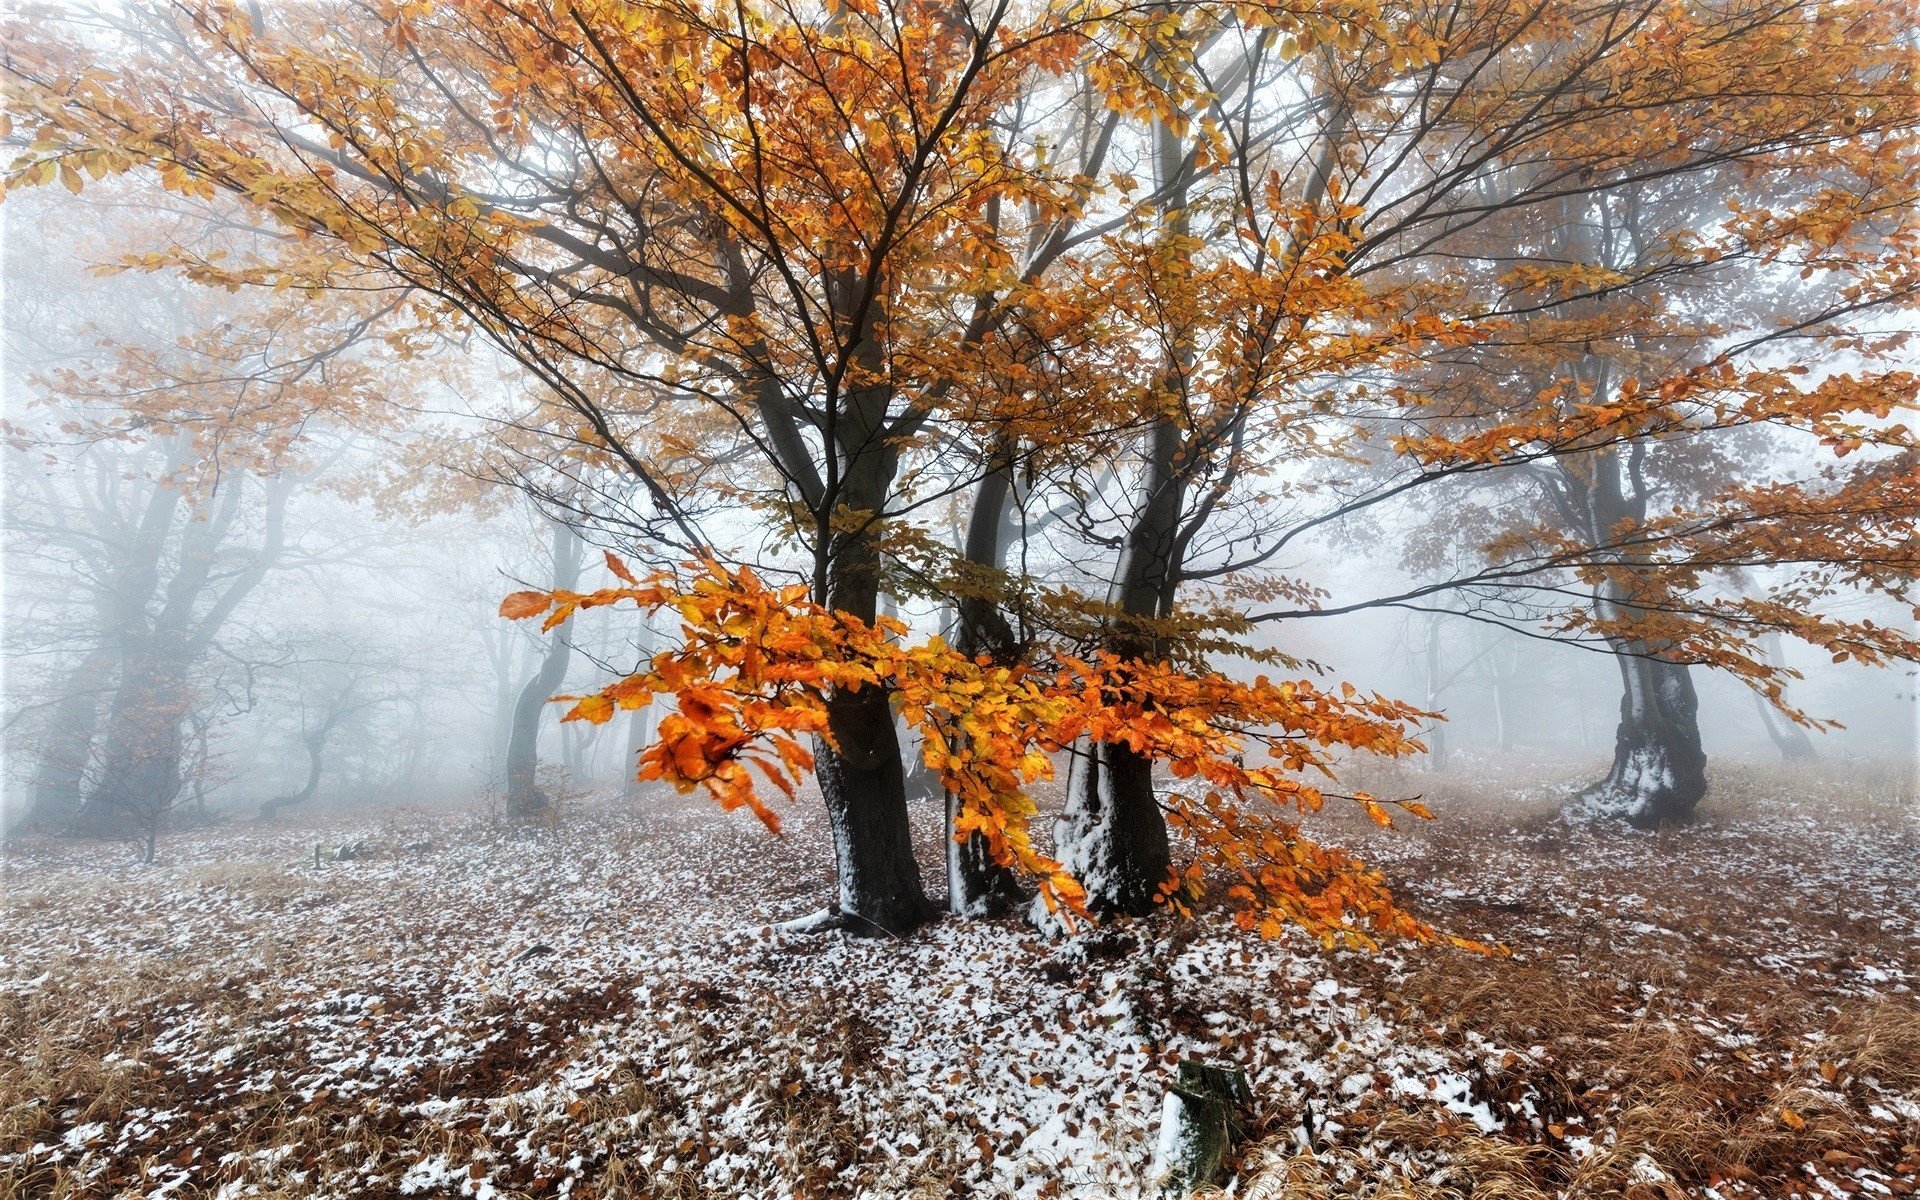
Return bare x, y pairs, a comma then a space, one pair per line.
525, 798
336, 687
150, 493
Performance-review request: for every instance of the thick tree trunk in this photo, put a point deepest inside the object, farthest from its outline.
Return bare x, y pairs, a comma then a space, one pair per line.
863, 781
865, 791
1659, 771
524, 797
138, 776
59, 778
1112, 834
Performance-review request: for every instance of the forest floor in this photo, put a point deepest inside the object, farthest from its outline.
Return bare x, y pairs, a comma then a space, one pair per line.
600, 1007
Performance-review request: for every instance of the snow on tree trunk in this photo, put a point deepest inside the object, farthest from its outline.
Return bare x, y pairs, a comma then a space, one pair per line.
1111, 834
977, 886
1659, 771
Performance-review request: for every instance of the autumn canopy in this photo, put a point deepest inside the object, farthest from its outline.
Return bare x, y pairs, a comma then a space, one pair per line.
1094, 324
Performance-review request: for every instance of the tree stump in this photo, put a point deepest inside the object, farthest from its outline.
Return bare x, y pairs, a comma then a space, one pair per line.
1198, 1126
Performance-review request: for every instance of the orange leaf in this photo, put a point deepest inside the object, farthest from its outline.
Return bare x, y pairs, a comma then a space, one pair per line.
522, 605
619, 568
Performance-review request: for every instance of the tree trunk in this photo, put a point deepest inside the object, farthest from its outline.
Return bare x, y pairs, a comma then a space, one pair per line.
138, 778
524, 797
1437, 728
865, 791
977, 886
59, 778
640, 721
639, 737
513, 667
1659, 771
1790, 739
1111, 833
863, 781
316, 743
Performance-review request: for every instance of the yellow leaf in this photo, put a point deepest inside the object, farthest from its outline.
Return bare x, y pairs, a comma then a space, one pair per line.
595, 710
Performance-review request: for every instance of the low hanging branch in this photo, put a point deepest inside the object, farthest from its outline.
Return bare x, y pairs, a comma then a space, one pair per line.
758, 665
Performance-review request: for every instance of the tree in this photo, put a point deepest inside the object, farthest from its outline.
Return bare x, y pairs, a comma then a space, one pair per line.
757, 667
335, 688
157, 507
849, 243
524, 796
1294, 310
785, 240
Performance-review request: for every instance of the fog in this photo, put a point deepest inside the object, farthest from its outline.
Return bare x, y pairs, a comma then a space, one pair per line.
928, 600
370, 643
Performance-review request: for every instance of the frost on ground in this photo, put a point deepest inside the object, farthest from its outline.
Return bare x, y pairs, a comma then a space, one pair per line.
607, 1007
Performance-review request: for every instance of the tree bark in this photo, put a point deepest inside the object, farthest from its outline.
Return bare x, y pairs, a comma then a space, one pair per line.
1659, 771
865, 788
977, 886
59, 778
1111, 833
524, 797
1788, 738
138, 777
863, 780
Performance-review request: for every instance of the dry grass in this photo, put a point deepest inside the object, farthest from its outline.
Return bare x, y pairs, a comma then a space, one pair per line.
1690, 1011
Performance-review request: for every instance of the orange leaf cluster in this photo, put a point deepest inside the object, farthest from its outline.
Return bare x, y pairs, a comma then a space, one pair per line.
758, 666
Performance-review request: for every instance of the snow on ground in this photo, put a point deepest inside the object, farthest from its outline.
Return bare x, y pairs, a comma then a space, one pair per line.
603, 1007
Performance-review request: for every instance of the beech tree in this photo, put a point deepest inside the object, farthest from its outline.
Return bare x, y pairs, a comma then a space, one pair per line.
851, 241
156, 502
808, 224
524, 795
1665, 513
1306, 288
